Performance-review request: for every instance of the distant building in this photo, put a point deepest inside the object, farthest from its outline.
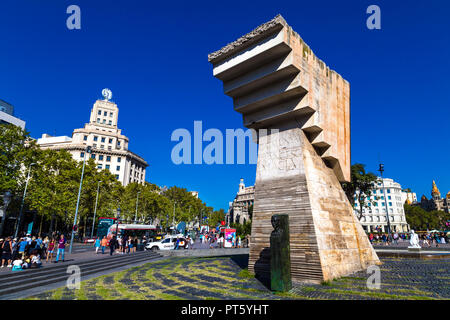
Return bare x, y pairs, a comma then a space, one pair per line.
409, 197
7, 115
195, 194
109, 146
375, 215
436, 202
238, 209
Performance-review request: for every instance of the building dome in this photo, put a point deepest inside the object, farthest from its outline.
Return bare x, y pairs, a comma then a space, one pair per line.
435, 190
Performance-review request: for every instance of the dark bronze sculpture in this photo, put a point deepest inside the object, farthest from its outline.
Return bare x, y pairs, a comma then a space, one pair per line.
280, 259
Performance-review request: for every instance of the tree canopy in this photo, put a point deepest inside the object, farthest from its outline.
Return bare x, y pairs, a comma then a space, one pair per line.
421, 220
360, 186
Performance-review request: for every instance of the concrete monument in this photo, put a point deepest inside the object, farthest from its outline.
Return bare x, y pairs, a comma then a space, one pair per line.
277, 82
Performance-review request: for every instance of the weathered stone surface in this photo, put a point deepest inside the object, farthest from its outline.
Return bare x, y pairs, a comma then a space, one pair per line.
276, 82
273, 76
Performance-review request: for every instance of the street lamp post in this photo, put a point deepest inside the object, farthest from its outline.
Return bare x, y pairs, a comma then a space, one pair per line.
23, 201
88, 150
381, 169
117, 220
95, 210
6, 200
137, 202
173, 217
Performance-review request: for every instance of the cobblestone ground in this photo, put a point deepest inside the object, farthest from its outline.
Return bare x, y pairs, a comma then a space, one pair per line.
224, 278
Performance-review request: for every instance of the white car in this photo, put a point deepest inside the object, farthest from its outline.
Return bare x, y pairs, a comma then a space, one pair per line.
167, 243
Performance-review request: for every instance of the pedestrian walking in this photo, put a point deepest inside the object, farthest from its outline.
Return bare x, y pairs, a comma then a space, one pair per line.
22, 245
97, 245
15, 249
395, 238
130, 245
112, 245
6, 253
124, 243
104, 244
50, 249
45, 247
191, 243
61, 248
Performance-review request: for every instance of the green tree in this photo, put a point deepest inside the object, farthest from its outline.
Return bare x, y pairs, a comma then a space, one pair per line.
151, 205
187, 206
242, 229
421, 220
216, 217
360, 186
16, 150
109, 194
53, 186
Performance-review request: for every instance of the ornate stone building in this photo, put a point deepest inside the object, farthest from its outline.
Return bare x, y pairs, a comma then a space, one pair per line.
375, 214
238, 209
109, 146
436, 202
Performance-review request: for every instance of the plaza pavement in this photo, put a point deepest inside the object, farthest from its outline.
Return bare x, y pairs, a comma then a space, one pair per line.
410, 276
226, 278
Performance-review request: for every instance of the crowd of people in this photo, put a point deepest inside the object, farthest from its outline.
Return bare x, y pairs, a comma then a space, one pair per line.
217, 240
121, 245
426, 239
29, 252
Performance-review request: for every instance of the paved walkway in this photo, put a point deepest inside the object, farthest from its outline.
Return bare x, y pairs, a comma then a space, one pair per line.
80, 253
403, 244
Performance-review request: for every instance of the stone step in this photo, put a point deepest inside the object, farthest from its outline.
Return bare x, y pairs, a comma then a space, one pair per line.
33, 273
62, 276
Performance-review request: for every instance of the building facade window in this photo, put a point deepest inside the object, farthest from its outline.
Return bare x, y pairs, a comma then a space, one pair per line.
100, 157
108, 158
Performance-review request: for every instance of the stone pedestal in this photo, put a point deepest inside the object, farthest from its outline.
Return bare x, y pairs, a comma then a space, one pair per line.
301, 110
326, 239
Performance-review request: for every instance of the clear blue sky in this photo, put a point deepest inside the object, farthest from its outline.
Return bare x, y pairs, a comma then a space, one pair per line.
153, 56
